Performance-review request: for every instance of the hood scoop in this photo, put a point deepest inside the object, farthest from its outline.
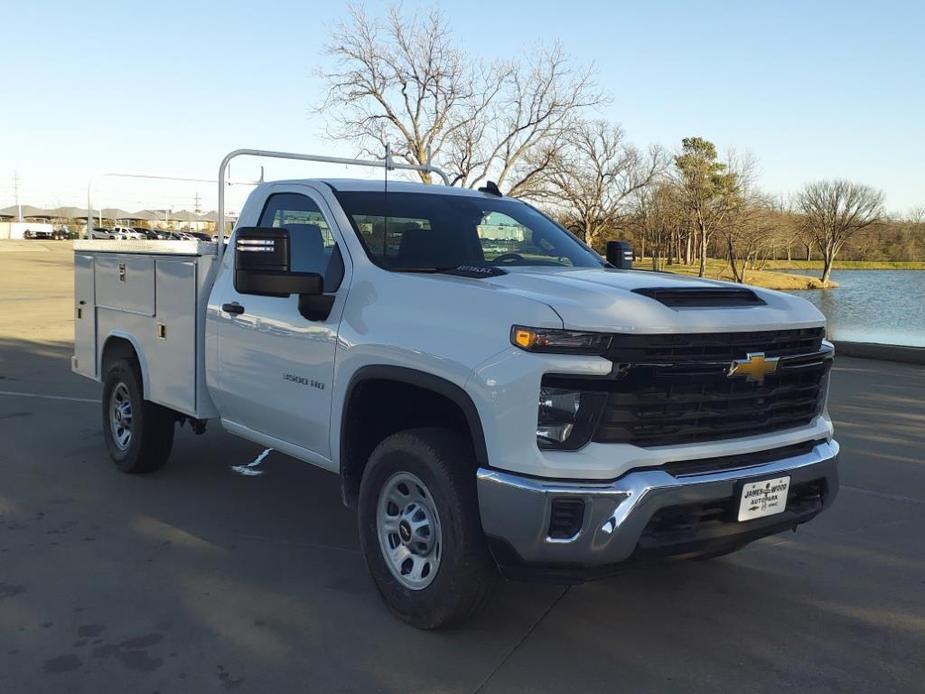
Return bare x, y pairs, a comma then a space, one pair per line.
702, 297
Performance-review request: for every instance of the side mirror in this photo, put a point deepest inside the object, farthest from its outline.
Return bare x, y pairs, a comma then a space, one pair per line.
261, 265
620, 254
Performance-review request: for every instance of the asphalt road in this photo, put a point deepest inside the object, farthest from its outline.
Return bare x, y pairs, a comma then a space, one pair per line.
197, 579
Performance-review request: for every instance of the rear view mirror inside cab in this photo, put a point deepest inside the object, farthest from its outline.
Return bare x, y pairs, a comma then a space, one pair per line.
261, 265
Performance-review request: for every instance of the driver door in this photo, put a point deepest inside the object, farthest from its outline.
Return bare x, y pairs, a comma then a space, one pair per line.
277, 365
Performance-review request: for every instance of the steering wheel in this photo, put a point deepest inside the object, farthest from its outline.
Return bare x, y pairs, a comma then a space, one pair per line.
508, 257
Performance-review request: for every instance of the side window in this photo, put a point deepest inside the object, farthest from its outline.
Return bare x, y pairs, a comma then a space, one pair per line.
312, 247
383, 235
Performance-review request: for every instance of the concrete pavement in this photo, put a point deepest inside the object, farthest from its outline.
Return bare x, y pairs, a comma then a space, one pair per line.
196, 579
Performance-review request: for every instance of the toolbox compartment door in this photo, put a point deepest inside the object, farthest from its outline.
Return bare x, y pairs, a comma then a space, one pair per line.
171, 344
126, 283
84, 359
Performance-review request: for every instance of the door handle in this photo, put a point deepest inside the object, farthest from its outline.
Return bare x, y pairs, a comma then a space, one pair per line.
234, 308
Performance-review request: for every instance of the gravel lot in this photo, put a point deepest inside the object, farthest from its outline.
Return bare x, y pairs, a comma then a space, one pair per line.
196, 579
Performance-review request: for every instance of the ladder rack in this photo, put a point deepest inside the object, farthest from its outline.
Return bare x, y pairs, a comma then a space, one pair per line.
388, 164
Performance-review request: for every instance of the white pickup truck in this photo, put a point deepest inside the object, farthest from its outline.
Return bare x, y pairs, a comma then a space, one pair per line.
493, 394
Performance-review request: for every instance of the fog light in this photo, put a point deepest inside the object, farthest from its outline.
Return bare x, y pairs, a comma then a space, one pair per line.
568, 411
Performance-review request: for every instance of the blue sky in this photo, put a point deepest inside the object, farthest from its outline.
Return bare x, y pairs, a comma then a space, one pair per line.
812, 89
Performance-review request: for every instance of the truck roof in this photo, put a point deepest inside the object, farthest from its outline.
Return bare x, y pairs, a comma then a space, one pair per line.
360, 184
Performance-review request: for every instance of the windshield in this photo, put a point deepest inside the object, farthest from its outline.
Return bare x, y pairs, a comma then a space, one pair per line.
411, 231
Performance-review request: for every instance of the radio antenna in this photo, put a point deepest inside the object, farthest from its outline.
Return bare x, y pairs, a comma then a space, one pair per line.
385, 230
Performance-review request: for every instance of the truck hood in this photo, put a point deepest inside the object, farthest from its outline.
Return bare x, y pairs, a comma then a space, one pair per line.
603, 300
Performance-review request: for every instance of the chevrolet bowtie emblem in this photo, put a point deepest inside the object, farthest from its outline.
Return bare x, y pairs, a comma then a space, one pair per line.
754, 367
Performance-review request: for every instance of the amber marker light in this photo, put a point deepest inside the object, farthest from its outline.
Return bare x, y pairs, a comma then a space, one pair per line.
523, 337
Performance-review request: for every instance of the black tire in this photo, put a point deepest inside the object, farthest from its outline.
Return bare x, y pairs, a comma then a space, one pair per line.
151, 427
27, 234
466, 572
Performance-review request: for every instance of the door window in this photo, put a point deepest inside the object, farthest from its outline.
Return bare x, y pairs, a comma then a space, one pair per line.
312, 247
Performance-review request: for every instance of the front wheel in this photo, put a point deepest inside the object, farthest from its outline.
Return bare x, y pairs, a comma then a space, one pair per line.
138, 433
420, 530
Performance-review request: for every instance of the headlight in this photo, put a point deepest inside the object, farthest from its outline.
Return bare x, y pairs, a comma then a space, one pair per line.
553, 341
566, 417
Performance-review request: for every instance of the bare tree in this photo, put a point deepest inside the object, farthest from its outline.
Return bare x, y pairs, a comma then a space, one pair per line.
402, 81
657, 219
710, 191
398, 81
528, 113
833, 211
747, 223
750, 231
594, 175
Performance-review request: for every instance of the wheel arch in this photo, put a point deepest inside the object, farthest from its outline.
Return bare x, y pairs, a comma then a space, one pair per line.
119, 344
354, 447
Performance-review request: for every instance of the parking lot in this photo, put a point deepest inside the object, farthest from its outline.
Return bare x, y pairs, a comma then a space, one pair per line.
197, 579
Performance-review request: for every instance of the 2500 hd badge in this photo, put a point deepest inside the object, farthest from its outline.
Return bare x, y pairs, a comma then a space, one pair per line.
302, 381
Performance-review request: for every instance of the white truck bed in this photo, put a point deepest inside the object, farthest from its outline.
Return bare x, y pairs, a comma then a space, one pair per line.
153, 294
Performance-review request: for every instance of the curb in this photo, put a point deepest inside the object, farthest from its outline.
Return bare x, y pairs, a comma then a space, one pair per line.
872, 350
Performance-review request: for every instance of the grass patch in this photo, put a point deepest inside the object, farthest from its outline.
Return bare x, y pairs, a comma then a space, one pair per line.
844, 265
719, 270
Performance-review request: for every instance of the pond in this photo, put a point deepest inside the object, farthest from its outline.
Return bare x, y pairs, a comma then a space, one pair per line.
886, 306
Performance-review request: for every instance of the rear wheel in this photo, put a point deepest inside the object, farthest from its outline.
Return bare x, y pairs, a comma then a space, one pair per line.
138, 433
420, 529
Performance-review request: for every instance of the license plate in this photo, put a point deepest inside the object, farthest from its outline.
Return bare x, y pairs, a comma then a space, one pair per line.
764, 498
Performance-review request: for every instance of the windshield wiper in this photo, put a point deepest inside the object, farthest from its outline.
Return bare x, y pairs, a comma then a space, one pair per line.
459, 270
424, 268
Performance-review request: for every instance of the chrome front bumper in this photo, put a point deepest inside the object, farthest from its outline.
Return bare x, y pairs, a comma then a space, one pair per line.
516, 509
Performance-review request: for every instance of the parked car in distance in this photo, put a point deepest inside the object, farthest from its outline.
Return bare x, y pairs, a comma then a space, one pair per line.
178, 236
127, 233
101, 233
64, 233
31, 230
116, 232
149, 234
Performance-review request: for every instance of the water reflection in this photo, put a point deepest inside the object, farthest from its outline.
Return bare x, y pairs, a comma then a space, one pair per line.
886, 306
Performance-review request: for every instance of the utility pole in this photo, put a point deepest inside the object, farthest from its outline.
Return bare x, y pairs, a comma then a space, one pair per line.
16, 194
197, 210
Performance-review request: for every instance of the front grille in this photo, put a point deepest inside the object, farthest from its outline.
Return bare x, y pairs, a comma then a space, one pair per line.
695, 347
662, 407
674, 389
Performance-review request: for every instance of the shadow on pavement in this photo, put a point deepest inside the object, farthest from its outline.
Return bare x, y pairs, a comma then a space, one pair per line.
197, 579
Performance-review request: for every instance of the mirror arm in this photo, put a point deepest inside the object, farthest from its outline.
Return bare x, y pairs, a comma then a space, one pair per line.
316, 307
